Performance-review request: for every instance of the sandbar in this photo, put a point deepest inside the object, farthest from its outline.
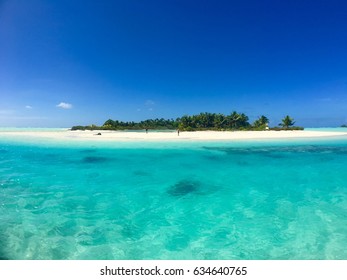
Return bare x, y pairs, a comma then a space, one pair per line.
170, 135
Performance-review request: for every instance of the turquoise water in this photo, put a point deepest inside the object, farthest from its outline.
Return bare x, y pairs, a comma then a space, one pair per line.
331, 129
30, 129
205, 200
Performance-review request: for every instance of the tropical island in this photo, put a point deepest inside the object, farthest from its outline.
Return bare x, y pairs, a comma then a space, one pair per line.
200, 122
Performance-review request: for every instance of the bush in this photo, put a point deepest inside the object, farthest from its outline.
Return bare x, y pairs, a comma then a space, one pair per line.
276, 128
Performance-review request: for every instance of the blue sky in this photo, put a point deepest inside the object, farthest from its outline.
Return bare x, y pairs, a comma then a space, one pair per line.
64, 62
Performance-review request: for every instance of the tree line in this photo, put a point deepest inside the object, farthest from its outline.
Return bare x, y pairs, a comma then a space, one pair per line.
202, 121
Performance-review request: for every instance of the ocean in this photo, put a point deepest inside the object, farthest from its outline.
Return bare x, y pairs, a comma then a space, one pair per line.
249, 200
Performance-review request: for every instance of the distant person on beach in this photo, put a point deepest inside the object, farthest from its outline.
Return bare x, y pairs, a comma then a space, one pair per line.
178, 132
146, 130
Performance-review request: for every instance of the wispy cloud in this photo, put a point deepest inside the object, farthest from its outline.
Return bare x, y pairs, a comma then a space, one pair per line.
28, 118
7, 112
149, 102
28, 107
64, 105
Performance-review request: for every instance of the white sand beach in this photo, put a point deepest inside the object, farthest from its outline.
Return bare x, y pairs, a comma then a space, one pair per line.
170, 135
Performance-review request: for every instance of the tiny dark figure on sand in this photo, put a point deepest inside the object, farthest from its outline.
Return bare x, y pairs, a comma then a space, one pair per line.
146, 130
178, 132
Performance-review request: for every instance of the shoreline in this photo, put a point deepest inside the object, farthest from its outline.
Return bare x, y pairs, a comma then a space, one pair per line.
121, 136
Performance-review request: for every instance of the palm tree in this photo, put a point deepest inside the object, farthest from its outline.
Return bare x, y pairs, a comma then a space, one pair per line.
287, 122
262, 121
236, 120
185, 122
219, 121
233, 119
243, 120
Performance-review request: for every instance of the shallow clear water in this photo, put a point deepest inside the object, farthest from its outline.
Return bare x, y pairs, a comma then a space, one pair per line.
206, 200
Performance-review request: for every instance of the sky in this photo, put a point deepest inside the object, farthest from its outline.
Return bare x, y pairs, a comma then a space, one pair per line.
66, 62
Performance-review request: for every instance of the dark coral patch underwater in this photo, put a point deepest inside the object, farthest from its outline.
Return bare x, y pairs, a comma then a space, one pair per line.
95, 159
285, 149
184, 187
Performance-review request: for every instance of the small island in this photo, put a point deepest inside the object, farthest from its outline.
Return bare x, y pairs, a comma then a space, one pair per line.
200, 122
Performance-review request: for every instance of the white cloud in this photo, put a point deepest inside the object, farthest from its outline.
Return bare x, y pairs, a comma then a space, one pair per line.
64, 105
149, 102
28, 107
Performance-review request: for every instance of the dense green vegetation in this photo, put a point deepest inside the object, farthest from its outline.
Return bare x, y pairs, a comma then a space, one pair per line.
287, 122
202, 121
119, 125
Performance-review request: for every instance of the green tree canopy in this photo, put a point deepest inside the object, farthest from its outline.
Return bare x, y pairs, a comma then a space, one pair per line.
262, 121
202, 121
287, 121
